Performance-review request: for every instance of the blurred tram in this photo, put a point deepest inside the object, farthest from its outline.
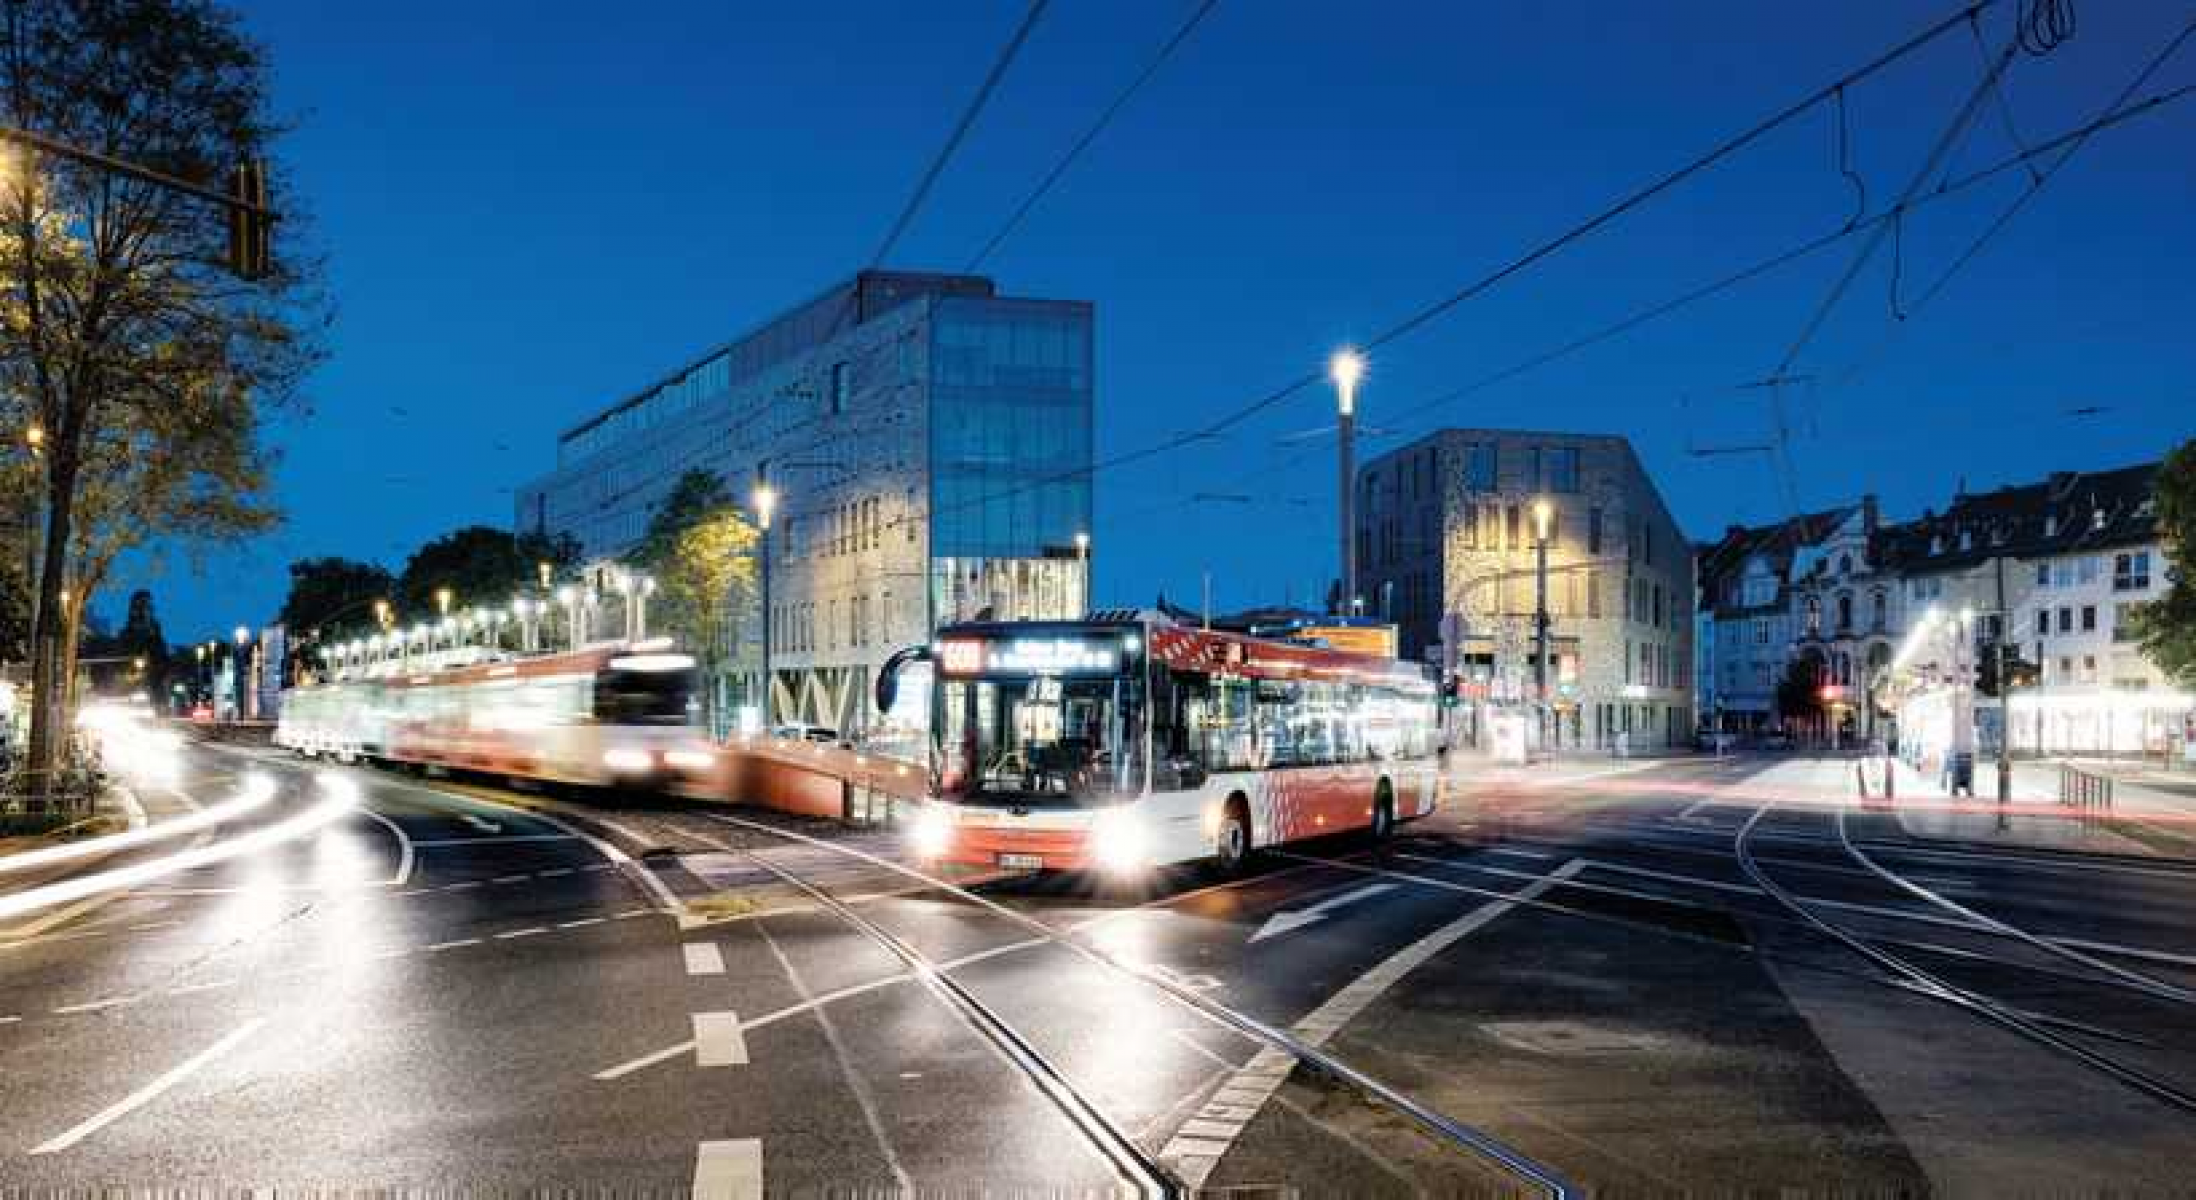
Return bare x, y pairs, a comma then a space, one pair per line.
605, 716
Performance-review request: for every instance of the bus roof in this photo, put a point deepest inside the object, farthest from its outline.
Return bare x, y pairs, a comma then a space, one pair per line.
1224, 652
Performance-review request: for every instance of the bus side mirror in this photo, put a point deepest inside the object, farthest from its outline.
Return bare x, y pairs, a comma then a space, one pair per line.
888, 675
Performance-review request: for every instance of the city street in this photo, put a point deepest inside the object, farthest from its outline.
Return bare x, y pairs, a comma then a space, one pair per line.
423, 984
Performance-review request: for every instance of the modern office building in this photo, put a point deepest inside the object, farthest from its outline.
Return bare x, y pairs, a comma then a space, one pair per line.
929, 444
1446, 546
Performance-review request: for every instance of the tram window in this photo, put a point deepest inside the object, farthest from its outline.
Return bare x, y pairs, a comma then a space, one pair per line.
643, 697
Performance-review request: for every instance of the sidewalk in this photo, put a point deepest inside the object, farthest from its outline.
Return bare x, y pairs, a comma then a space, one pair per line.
116, 809
2033, 819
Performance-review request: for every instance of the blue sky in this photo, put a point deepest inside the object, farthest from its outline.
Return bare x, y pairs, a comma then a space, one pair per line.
531, 209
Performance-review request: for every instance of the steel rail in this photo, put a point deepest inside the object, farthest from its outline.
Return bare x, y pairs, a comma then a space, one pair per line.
1546, 1179
1127, 1158
1937, 988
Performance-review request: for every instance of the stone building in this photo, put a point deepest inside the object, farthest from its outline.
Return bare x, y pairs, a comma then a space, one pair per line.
1446, 542
928, 441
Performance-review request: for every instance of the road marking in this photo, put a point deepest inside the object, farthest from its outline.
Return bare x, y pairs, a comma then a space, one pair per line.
509, 879
529, 931
1290, 920
452, 945
718, 1041
646, 1060
1532, 854
553, 872
405, 855
9, 1020
729, 1170
581, 923
151, 1091
1206, 1138
151, 925
94, 1005
854, 1079
466, 886
703, 958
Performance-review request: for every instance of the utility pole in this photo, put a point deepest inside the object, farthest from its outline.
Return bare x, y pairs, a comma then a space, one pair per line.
2005, 694
1542, 514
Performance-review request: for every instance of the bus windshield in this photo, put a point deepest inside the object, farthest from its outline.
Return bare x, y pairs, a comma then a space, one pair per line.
1040, 740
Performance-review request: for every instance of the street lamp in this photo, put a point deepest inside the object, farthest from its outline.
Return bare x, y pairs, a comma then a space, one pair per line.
1543, 523
1082, 552
1346, 368
765, 500
442, 602
382, 614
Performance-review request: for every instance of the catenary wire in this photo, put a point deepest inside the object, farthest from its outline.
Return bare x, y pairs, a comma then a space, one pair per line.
1090, 135
961, 127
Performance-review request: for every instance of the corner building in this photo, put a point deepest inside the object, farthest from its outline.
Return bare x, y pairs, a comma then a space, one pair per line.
1446, 550
930, 444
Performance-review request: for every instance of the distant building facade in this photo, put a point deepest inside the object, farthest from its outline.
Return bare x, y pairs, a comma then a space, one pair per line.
929, 441
1897, 617
1446, 550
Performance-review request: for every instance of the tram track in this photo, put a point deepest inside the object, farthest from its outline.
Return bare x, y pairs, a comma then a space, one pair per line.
1456, 1135
1904, 973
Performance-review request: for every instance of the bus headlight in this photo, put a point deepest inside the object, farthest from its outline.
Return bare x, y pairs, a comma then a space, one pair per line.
931, 834
1117, 841
628, 760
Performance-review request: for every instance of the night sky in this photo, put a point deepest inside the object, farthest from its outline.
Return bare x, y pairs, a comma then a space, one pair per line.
530, 210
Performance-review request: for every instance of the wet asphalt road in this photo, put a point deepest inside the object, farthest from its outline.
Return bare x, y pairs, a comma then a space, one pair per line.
426, 986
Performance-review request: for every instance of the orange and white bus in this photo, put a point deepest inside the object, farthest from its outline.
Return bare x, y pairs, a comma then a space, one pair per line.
1128, 740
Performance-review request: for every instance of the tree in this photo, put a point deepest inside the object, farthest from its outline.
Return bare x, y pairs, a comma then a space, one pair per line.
1799, 692
2167, 625
334, 597
122, 328
478, 564
702, 554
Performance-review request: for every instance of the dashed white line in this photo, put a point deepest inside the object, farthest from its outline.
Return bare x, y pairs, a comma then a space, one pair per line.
474, 941
718, 1041
151, 1091
509, 879
729, 1170
703, 958
581, 923
529, 931
553, 872
630, 913
468, 885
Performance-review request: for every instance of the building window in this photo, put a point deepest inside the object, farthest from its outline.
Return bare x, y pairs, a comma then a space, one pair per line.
1878, 611
2123, 622
1593, 531
1467, 524
1479, 466
2043, 575
2131, 572
2066, 619
2089, 618
2043, 622
1593, 593
1555, 468
1845, 610
1513, 527
2089, 668
1814, 615
839, 387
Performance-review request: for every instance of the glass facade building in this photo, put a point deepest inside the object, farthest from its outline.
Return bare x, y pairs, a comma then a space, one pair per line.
930, 441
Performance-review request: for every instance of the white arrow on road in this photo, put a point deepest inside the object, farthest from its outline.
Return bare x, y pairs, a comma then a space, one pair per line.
1294, 919
477, 823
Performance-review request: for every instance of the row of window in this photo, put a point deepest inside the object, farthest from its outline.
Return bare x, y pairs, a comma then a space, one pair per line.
1552, 470
2083, 619
1656, 665
853, 621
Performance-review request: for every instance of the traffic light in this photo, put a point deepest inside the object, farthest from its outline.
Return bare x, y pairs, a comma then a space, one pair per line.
1986, 673
250, 224
2019, 673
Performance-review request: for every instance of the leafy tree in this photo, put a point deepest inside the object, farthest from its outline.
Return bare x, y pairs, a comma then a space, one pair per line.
2167, 625
480, 565
702, 554
1799, 692
334, 596
119, 324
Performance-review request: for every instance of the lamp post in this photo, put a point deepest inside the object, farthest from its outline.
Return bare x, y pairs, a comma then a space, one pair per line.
568, 596
1082, 555
765, 500
1346, 368
1543, 518
247, 703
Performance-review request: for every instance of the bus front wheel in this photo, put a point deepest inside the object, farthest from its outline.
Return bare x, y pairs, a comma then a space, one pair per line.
1232, 841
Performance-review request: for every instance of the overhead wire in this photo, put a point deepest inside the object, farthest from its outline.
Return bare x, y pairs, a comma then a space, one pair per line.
1105, 118
999, 65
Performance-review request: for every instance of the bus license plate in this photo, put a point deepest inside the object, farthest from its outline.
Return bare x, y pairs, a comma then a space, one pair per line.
1022, 862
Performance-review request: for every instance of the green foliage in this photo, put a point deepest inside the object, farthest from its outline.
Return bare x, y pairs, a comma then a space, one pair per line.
480, 565
2167, 625
334, 596
1799, 693
702, 554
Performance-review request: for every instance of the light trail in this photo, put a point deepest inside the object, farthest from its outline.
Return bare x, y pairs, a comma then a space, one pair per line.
258, 790
341, 800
